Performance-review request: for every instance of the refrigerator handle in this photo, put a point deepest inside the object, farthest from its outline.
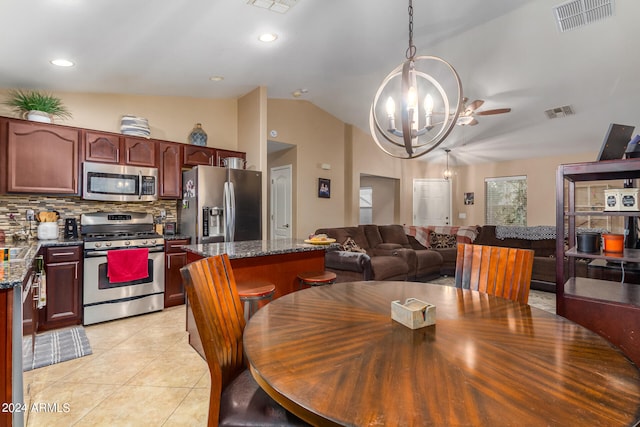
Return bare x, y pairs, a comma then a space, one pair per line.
232, 213
229, 213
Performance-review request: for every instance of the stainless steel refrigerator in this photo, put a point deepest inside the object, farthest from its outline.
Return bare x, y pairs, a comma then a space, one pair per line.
221, 205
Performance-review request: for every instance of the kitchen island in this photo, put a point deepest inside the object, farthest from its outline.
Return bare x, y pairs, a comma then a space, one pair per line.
275, 261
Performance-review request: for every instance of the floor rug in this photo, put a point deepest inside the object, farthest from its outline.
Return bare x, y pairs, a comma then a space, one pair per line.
55, 347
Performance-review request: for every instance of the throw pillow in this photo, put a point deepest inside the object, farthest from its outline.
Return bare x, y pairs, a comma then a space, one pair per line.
350, 245
442, 241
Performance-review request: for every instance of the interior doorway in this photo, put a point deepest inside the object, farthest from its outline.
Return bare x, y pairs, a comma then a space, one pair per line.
432, 202
281, 207
379, 199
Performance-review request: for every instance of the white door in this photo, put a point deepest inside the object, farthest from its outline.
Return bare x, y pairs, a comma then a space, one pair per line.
281, 202
431, 202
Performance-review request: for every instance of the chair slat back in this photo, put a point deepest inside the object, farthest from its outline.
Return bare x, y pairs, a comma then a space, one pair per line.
504, 272
217, 310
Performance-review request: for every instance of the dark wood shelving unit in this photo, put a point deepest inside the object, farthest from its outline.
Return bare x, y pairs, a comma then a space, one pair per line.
610, 308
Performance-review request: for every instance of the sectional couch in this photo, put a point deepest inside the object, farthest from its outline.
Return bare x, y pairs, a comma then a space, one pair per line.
396, 252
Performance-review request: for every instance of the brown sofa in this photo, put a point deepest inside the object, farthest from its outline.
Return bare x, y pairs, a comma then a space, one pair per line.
377, 262
390, 254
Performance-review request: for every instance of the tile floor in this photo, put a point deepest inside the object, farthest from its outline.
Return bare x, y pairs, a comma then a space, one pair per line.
142, 373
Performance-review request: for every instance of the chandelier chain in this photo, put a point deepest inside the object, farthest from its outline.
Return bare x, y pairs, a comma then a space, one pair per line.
411, 50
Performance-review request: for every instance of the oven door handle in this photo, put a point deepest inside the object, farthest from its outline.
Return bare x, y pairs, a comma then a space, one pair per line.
93, 254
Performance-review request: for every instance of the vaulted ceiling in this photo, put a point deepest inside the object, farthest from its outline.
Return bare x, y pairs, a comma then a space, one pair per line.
508, 53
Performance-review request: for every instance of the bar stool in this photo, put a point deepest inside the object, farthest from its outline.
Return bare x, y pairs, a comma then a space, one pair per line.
251, 293
316, 278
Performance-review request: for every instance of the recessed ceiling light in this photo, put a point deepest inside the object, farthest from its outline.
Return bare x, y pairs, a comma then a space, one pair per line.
216, 78
299, 92
62, 62
268, 37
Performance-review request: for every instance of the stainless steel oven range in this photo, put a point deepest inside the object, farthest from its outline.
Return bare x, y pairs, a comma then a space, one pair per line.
123, 266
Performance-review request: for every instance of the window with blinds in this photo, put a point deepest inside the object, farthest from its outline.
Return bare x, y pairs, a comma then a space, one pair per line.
506, 200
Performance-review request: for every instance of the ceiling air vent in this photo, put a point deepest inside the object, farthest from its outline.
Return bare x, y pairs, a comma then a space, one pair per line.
558, 112
578, 13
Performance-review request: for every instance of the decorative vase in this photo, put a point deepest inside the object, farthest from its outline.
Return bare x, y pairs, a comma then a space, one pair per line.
198, 136
38, 116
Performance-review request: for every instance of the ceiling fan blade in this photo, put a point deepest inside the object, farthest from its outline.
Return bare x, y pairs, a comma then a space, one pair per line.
491, 112
473, 106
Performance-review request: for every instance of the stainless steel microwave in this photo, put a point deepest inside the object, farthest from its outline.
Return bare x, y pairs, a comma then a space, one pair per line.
119, 183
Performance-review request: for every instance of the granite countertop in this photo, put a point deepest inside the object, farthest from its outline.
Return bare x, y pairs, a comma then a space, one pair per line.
176, 236
13, 273
253, 248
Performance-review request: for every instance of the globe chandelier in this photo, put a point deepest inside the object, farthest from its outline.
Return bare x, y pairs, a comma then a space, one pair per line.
423, 126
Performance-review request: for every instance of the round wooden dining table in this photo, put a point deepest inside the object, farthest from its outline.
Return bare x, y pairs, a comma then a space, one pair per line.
333, 356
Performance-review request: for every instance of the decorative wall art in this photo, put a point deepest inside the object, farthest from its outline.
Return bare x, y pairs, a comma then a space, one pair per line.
324, 188
468, 198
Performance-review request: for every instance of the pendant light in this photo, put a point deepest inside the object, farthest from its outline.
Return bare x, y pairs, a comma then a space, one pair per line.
447, 172
423, 125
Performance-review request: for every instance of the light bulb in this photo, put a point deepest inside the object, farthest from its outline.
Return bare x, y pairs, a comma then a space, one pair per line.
428, 104
391, 106
412, 98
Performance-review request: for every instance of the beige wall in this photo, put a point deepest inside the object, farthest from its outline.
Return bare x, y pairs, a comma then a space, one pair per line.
319, 138
252, 139
170, 118
386, 197
540, 173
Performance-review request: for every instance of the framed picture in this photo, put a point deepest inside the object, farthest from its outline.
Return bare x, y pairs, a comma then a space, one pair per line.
468, 198
324, 188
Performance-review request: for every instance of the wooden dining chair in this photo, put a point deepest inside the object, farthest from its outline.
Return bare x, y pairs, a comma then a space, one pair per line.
236, 399
504, 272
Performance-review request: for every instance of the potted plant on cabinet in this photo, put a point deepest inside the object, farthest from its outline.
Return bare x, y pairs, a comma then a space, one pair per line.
36, 106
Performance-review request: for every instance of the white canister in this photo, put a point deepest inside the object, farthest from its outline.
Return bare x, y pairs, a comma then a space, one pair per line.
48, 230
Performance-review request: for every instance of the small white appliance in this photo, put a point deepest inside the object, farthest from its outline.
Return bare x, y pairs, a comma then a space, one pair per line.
47, 230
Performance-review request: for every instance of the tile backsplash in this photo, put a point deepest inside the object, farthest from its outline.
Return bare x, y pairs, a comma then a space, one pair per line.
70, 207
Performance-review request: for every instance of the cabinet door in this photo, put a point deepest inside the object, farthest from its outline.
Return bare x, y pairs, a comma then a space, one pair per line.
170, 170
101, 147
64, 293
223, 154
196, 155
29, 319
42, 158
175, 259
140, 152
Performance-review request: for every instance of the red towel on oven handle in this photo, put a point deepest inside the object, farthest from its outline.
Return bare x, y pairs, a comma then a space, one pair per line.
127, 265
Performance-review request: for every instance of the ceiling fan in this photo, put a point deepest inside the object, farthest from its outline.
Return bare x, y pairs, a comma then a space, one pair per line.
468, 112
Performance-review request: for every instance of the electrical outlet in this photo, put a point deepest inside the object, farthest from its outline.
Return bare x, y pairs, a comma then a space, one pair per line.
163, 214
31, 216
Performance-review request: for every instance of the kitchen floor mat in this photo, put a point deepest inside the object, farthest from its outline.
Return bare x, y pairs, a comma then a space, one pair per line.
55, 347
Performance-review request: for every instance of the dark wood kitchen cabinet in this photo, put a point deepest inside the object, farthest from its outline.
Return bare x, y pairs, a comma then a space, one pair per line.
175, 259
170, 170
106, 147
63, 266
6, 352
29, 312
102, 147
139, 151
195, 155
41, 158
221, 155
